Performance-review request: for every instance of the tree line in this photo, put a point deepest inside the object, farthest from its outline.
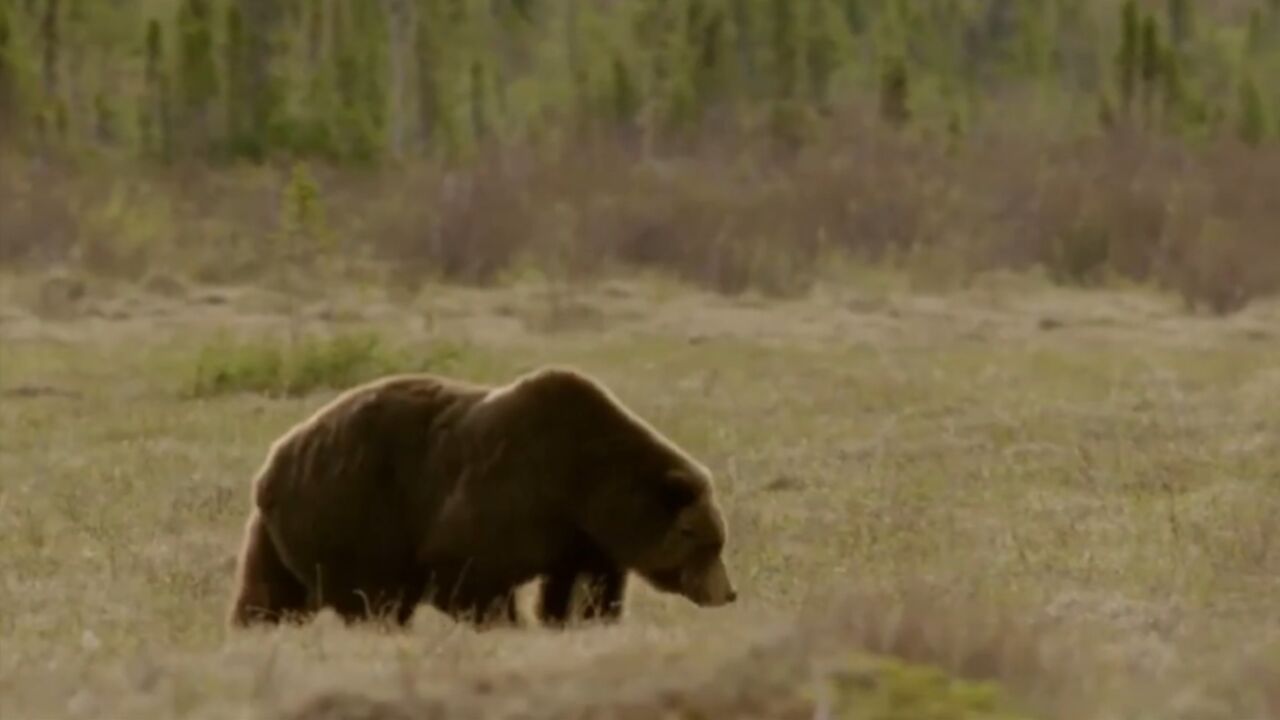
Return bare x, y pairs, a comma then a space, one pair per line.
374, 80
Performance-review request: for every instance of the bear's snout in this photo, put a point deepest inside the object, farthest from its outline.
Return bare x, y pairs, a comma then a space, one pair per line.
711, 587
727, 599
717, 599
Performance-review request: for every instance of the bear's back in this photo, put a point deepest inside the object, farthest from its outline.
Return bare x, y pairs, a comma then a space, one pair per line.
367, 453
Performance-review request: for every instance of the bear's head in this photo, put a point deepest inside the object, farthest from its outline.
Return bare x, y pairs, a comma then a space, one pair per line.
684, 552
652, 507
654, 513
639, 497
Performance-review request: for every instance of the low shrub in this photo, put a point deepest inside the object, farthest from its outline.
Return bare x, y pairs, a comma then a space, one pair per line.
300, 365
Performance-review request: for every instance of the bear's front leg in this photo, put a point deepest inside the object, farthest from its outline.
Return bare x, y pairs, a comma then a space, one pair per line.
555, 597
492, 610
606, 590
483, 606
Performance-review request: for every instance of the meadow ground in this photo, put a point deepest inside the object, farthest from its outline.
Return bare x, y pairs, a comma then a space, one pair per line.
1075, 495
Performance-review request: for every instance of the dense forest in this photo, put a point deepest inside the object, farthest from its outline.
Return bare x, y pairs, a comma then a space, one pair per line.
739, 142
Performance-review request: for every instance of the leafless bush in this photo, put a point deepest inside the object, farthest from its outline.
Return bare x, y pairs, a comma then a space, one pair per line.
726, 213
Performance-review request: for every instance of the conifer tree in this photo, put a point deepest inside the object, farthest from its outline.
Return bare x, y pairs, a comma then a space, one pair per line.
1127, 60
822, 57
680, 74
302, 236
314, 21
1253, 121
1173, 87
263, 95
105, 122
432, 32
8, 76
744, 17
577, 64
53, 112
481, 123
358, 48
197, 74
1256, 32
624, 94
398, 17
75, 103
51, 46
525, 8
786, 48
1150, 58
234, 65
895, 91
155, 115
855, 15
321, 122
1181, 21
707, 33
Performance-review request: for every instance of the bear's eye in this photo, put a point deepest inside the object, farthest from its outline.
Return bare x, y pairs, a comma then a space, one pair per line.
676, 492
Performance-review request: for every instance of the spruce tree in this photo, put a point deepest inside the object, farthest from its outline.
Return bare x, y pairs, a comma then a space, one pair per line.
435, 28
51, 46
707, 31
1256, 33
1127, 60
235, 105
197, 74
105, 122
155, 115
822, 56
624, 94
1173, 87
52, 112
1181, 21
358, 46
1253, 122
895, 91
786, 46
8, 76
481, 123
263, 94
1150, 58
855, 15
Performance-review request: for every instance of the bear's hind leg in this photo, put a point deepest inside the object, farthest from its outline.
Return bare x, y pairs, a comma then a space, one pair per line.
410, 601
266, 591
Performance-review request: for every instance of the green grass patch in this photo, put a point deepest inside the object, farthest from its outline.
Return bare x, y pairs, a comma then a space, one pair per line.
300, 365
876, 688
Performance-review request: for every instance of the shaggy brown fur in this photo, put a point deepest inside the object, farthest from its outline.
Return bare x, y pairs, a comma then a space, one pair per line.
418, 488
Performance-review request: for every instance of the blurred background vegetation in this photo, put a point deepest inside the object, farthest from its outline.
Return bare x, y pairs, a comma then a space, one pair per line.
742, 145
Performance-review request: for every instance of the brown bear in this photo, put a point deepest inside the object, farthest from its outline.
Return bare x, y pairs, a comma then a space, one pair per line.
416, 488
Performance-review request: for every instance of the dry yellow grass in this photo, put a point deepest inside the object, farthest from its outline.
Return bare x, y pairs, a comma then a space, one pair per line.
1076, 495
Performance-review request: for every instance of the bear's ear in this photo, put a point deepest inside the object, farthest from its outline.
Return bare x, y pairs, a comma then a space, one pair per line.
677, 490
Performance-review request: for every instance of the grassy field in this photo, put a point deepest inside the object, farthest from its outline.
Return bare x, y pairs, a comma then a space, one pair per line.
1073, 495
